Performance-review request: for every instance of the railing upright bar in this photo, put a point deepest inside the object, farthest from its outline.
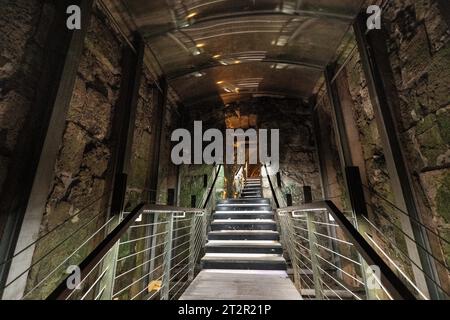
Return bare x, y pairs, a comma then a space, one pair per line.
313, 254
165, 288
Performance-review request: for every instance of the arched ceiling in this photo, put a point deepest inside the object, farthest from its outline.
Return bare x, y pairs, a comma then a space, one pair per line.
221, 50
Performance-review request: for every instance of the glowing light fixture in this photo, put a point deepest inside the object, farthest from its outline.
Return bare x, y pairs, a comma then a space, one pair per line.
220, 82
200, 45
191, 15
217, 56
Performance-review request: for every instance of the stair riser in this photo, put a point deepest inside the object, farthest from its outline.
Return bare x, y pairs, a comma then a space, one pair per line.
244, 226
244, 208
238, 201
249, 193
243, 265
222, 249
243, 216
275, 237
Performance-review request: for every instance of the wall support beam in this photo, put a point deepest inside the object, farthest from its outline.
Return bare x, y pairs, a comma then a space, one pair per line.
31, 175
376, 66
155, 144
345, 154
125, 119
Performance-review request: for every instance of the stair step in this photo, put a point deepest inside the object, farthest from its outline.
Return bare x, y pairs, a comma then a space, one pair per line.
244, 246
251, 192
243, 261
243, 224
243, 215
243, 201
243, 235
244, 211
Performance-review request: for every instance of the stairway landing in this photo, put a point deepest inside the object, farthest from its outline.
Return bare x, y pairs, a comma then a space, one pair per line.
214, 284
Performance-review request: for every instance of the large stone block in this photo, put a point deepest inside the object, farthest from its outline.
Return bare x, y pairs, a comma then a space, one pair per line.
94, 116
71, 154
96, 160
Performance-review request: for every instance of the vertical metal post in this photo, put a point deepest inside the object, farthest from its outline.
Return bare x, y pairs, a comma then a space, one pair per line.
322, 166
154, 239
155, 143
167, 259
124, 120
337, 115
379, 78
313, 255
192, 248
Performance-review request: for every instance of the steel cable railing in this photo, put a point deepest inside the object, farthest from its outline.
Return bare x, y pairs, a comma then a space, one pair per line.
339, 264
152, 252
128, 266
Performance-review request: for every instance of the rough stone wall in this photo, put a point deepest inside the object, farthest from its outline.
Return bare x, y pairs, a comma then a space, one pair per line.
298, 165
419, 53
80, 188
420, 58
192, 183
25, 27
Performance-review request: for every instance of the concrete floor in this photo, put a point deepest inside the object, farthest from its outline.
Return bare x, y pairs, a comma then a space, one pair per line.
241, 285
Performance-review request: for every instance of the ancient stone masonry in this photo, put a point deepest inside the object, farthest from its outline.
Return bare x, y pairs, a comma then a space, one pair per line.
298, 166
420, 58
79, 189
24, 25
419, 47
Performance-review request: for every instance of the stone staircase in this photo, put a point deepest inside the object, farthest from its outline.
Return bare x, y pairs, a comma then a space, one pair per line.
244, 234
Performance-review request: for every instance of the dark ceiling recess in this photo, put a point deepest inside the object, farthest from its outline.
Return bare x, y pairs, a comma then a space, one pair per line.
220, 50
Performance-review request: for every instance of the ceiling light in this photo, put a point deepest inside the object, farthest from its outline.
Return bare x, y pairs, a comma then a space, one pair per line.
200, 45
220, 82
217, 56
191, 15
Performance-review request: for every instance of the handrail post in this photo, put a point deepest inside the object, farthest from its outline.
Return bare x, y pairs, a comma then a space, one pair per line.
307, 195
165, 288
192, 257
313, 254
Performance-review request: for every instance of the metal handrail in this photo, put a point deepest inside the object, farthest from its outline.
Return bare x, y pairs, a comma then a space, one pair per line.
277, 203
397, 289
62, 292
205, 204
